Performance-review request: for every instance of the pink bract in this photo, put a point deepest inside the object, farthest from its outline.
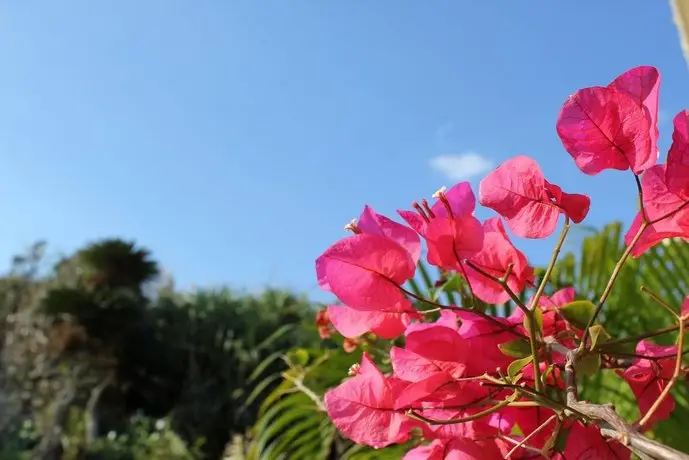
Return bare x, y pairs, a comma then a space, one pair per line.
456, 449
604, 128
647, 378
530, 204
376, 224
677, 171
659, 203
453, 239
352, 323
587, 442
365, 271
642, 83
362, 408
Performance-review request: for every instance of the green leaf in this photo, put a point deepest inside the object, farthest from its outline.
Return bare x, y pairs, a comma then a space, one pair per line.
578, 313
301, 356
598, 334
453, 284
517, 365
561, 441
538, 313
589, 364
518, 348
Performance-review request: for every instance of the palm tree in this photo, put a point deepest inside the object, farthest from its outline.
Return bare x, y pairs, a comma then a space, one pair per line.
96, 310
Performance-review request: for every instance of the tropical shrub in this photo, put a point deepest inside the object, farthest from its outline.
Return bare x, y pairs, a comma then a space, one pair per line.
468, 383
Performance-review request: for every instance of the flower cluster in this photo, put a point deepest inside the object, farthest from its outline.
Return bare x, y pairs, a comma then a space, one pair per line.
470, 385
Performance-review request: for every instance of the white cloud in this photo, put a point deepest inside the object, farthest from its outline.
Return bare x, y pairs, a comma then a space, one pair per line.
461, 167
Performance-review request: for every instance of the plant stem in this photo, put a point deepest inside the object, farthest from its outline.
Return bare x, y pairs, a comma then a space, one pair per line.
636, 338
469, 418
551, 265
611, 283
659, 301
537, 298
532, 434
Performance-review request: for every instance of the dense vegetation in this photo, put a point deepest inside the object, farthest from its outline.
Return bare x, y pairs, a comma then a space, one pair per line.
101, 359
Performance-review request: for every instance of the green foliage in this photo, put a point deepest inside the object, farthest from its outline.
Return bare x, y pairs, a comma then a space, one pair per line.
143, 439
292, 423
92, 337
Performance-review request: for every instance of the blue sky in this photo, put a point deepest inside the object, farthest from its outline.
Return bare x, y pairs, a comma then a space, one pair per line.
236, 138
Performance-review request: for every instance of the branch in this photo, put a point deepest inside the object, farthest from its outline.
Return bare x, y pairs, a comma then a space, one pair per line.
611, 424
551, 265
306, 390
483, 315
510, 399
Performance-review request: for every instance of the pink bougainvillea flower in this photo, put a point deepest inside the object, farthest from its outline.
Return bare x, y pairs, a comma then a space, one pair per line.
659, 203
648, 377
365, 271
587, 442
376, 224
461, 201
685, 307
453, 239
494, 258
456, 449
605, 128
677, 171
352, 323
452, 232
362, 408
530, 204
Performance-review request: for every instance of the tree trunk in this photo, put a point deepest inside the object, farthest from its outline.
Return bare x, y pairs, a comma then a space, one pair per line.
50, 447
91, 410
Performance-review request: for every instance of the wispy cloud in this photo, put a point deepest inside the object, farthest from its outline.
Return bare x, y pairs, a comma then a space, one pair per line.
461, 167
